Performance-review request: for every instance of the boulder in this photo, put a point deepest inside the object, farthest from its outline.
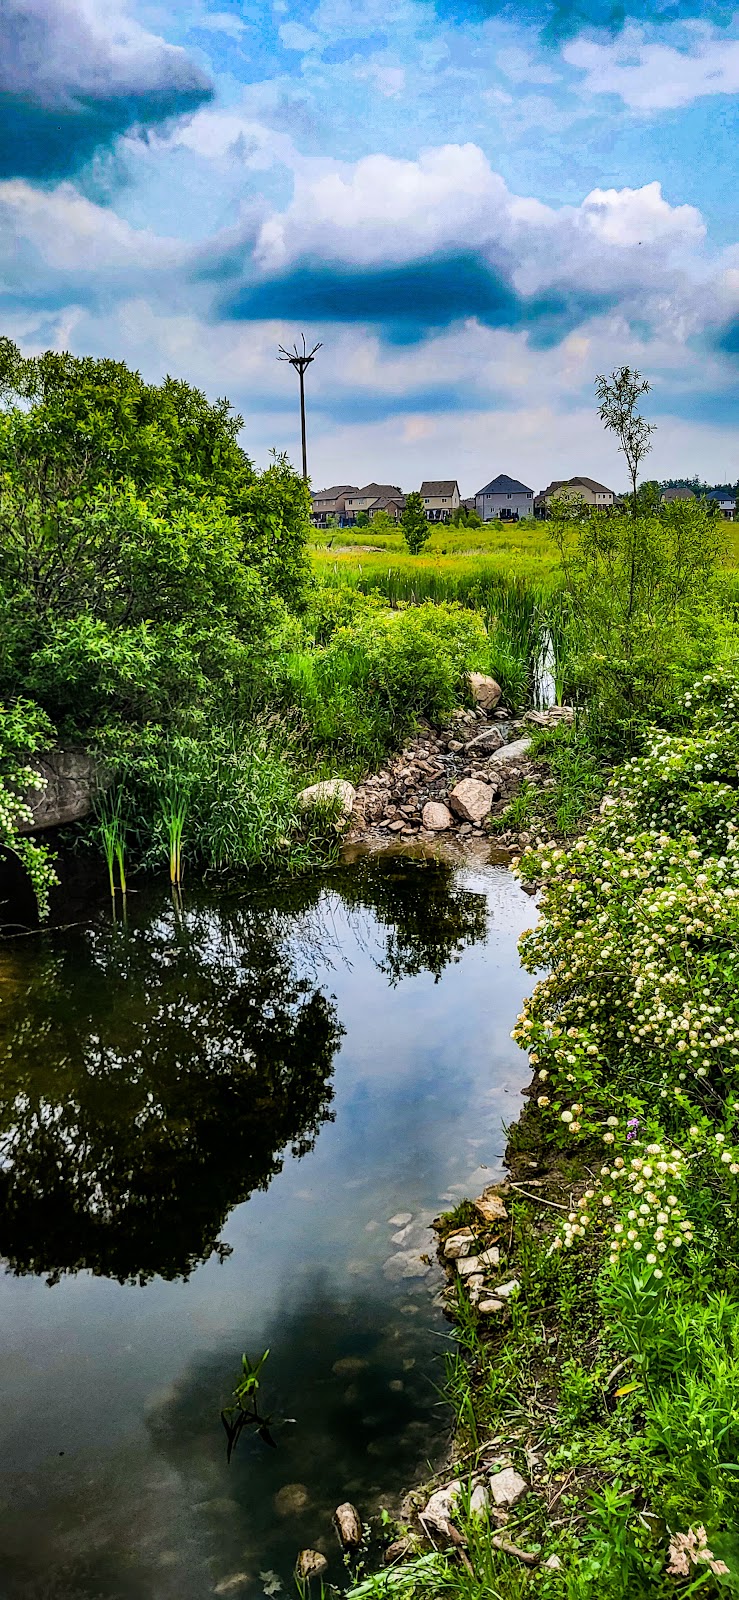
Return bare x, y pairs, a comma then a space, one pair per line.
471, 800
485, 691
348, 1525
507, 1487
479, 1500
486, 742
489, 1306
515, 751
506, 1291
491, 1257
310, 1564
72, 778
436, 817
332, 792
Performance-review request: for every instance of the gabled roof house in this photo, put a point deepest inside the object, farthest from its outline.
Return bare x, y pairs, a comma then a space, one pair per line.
504, 497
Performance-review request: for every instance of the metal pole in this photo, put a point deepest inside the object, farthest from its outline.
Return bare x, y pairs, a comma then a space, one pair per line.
300, 360
302, 424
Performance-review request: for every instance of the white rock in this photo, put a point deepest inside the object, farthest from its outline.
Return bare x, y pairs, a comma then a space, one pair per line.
471, 800
553, 1564
436, 816
400, 1220
405, 1264
507, 1487
466, 1265
439, 1509
505, 1291
333, 791
490, 1258
515, 751
486, 692
489, 1306
458, 1244
490, 1206
479, 1500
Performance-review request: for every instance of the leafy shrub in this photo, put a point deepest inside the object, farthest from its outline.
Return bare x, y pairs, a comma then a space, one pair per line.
24, 729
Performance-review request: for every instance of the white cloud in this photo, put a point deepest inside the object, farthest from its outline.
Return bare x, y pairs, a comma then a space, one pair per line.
390, 81
653, 76
50, 234
295, 36
59, 53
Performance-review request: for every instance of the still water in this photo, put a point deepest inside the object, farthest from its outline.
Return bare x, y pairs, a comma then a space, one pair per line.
209, 1117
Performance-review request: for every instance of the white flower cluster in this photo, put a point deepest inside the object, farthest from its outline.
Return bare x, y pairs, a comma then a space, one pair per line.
637, 1203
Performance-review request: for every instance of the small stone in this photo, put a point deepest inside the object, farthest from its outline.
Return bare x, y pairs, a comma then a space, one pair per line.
405, 1264
333, 791
310, 1564
398, 1549
436, 817
347, 1366
507, 1487
400, 1220
486, 742
458, 1244
396, 827
553, 1564
485, 691
490, 1207
471, 800
237, 1580
466, 1265
454, 745
348, 1524
479, 1500
491, 1257
489, 1306
506, 1291
439, 1510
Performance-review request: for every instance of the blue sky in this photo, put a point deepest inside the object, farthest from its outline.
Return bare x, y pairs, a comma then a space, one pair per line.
476, 207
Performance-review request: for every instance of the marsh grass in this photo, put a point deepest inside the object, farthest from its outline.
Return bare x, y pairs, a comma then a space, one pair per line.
110, 826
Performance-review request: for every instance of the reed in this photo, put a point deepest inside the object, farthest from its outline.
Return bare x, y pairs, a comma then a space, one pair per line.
110, 826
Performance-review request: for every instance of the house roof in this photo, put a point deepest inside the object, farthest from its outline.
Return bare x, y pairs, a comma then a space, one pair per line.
439, 486
505, 485
334, 492
375, 489
722, 495
571, 483
678, 494
384, 500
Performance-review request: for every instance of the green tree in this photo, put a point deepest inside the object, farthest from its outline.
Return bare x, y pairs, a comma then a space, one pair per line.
416, 529
618, 397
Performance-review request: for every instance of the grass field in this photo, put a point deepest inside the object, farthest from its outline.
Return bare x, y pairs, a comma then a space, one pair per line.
467, 564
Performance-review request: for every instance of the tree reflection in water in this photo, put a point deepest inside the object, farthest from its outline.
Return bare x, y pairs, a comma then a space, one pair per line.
152, 1077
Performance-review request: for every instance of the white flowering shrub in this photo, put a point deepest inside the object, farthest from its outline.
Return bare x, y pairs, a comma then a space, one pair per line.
640, 935
24, 729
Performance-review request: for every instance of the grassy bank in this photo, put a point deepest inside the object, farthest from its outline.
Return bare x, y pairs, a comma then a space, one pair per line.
612, 1385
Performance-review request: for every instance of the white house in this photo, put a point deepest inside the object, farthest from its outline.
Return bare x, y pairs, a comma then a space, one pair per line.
726, 503
504, 497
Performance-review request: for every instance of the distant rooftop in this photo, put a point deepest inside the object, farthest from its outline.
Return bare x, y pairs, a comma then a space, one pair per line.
434, 488
505, 485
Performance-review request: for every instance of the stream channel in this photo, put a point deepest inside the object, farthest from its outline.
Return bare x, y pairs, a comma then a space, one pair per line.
209, 1115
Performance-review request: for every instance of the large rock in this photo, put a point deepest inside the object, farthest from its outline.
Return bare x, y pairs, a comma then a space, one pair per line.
72, 779
486, 691
333, 791
486, 742
436, 817
489, 1206
458, 1244
471, 799
515, 751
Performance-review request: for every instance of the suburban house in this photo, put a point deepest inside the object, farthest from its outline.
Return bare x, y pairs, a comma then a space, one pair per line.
585, 489
331, 502
726, 503
374, 497
669, 495
440, 498
504, 497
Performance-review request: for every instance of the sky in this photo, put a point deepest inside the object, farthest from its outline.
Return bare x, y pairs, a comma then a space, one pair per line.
475, 207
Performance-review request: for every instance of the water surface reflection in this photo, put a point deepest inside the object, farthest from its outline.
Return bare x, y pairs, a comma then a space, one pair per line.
208, 1120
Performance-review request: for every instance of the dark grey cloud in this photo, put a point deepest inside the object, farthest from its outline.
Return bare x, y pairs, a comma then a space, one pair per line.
74, 74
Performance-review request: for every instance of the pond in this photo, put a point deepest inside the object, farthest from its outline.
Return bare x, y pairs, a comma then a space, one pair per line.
226, 1125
